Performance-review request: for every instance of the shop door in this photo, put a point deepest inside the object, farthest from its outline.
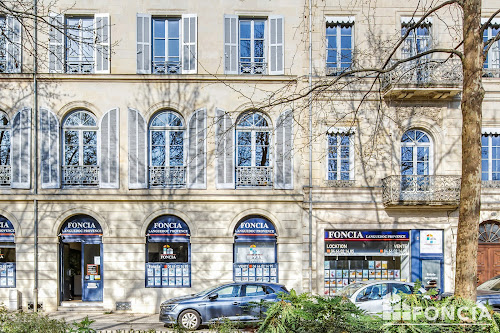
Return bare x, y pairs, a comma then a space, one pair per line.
92, 274
488, 261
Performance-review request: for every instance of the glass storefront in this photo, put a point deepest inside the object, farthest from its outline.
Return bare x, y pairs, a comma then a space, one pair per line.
352, 255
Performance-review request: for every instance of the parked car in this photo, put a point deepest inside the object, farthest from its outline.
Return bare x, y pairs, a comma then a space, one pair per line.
239, 301
489, 292
375, 295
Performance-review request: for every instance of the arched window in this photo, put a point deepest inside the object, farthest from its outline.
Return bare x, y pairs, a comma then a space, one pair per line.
167, 161
416, 153
253, 150
489, 232
168, 253
4, 150
80, 165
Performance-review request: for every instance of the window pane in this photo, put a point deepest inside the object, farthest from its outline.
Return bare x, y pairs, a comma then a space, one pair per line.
258, 29
89, 155
262, 138
332, 152
71, 156
422, 153
176, 138
159, 48
346, 42
178, 252
89, 137
244, 138
158, 156
231, 291
259, 49
331, 42
159, 28
344, 152
245, 29
406, 154
176, 155
71, 137
5, 155
407, 168
245, 48
262, 156
244, 156
173, 28
173, 48
157, 138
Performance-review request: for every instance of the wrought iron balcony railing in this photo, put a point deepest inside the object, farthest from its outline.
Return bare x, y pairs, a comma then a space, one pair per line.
254, 176
167, 176
80, 175
491, 72
340, 183
5, 175
3, 65
421, 190
166, 67
80, 67
258, 68
424, 72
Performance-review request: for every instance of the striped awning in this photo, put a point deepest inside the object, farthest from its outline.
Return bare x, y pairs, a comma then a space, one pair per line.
490, 130
341, 130
406, 20
340, 19
494, 22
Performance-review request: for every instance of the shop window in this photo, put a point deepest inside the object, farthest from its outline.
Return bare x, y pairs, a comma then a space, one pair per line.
7, 254
80, 158
255, 251
353, 256
168, 253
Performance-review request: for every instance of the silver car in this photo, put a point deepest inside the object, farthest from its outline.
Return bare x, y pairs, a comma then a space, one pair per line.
375, 296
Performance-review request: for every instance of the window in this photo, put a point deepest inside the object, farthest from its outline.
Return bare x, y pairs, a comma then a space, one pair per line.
80, 165
7, 254
253, 144
230, 291
79, 44
166, 46
492, 63
339, 44
10, 45
490, 156
253, 45
166, 137
419, 38
416, 154
5, 172
340, 156
373, 292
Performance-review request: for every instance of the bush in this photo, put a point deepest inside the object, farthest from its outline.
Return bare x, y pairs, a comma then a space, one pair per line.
305, 313
22, 322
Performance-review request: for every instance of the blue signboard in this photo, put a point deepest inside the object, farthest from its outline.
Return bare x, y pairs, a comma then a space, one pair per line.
366, 243
168, 228
7, 231
255, 229
356, 235
81, 229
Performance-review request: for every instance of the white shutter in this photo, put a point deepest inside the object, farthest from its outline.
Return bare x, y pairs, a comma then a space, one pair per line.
109, 168
13, 45
137, 156
21, 149
231, 55
189, 43
197, 151
276, 45
143, 43
102, 52
49, 149
224, 150
284, 146
56, 43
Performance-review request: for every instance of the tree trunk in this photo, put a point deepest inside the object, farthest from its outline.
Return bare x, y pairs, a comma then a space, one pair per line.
470, 192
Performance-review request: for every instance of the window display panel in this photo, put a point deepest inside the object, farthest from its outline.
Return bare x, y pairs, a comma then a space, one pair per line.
352, 256
7, 265
168, 252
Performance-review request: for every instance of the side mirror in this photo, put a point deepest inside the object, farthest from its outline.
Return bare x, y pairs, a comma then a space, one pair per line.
213, 296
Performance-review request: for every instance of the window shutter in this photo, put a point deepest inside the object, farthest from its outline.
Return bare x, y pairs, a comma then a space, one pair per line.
197, 150
224, 141
276, 45
189, 43
13, 45
231, 44
284, 145
56, 43
143, 44
49, 149
109, 155
137, 157
21, 149
102, 54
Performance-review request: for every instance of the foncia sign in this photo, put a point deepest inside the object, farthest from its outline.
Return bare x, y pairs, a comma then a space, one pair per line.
355, 242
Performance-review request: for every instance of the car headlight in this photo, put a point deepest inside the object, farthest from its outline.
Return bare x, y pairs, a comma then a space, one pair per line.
167, 307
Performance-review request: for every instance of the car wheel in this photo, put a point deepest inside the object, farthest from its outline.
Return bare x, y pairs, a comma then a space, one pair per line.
189, 319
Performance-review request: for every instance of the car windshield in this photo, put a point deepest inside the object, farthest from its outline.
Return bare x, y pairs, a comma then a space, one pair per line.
493, 284
349, 290
209, 290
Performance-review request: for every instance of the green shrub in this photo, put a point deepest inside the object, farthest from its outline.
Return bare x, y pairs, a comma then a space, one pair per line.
22, 322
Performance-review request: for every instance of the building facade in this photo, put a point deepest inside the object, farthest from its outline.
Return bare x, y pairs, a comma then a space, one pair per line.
167, 148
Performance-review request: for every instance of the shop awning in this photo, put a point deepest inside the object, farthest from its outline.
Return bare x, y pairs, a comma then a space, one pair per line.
407, 20
490, 131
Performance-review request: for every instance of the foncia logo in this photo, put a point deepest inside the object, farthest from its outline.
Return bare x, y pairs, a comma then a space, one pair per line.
253, 249
430, 239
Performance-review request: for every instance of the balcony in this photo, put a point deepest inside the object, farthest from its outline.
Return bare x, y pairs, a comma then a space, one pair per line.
423, 78
248, 176
80, 175
167, 176
167, 67
417, 190
3, 65
79, 67
491, 72
256, 68
5, 175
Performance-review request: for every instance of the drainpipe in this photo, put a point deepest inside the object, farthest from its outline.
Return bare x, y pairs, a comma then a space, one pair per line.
35, 155
310, 150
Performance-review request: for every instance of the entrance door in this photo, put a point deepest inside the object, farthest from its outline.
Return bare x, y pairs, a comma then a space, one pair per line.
488, 261
92, 275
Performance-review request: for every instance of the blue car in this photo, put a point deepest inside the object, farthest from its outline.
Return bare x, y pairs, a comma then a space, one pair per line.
239, 301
